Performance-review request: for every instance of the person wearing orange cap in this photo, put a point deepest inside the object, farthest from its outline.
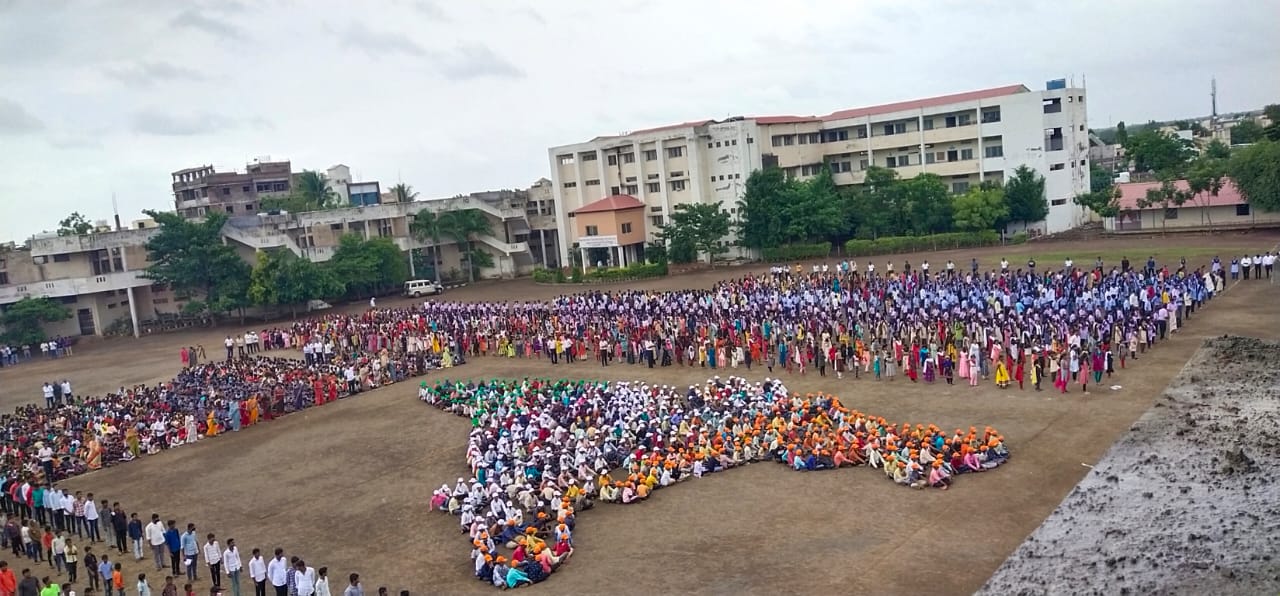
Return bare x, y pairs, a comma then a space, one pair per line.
938, 476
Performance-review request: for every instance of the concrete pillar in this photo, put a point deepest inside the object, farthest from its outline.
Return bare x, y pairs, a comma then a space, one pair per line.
133, 305
622, 251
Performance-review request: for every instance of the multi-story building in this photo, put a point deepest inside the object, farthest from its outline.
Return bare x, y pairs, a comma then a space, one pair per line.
966, 138
201, 190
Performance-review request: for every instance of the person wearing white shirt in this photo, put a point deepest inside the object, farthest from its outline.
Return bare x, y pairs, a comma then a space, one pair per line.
304, 579
66, 392
213, 556
47, 391
91, 519
258, 573
278, 572
144, 589
155, 537
322, 582
231, 561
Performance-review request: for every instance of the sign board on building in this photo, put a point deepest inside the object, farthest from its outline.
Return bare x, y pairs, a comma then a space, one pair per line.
598, 241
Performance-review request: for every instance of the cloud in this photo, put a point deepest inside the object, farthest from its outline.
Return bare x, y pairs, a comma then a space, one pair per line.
16, 120
150, 73
474, 61
357, 36
533, 15
155, 122
431, 10
194, 19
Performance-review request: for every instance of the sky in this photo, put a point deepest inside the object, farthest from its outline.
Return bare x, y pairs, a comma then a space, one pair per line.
102, 98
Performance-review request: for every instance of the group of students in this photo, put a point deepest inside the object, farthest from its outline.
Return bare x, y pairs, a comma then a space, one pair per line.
65, 541
540, 450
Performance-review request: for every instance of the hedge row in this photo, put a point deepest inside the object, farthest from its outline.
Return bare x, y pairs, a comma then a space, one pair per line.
796, 252
632, 271
947, 241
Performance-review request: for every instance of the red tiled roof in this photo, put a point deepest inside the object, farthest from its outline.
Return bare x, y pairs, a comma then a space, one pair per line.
660, 128
1131, 192
611, 203
901, 106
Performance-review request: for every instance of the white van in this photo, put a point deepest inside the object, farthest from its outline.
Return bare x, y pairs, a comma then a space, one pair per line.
416, 288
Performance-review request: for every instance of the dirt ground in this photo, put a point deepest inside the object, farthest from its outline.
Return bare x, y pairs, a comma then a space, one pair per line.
347, 485
1187, 502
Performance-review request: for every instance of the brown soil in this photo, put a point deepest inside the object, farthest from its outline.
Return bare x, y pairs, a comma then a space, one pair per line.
347, 485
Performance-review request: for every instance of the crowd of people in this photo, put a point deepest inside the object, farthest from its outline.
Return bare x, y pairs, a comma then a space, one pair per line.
57, 347
1008, 325
541, 450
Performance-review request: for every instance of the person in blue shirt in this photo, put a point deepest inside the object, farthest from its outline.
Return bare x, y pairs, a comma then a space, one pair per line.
135, 535
190, 547
104, 571
173, 540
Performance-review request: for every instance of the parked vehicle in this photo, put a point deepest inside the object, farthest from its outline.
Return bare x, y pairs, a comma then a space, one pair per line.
416, 288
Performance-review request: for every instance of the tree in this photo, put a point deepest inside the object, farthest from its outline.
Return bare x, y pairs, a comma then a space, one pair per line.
368, 267
404, 193
925, 201
1216, 149
427, 227
1246, 131
1154, 150
24, 320
1122, 134
1105, 201
311, 192
190, 258
281, 278
878, 202
1167, 196
812, 209
1256, 172
1272, 131
74, 225
761, 209
700, 226
1205, 179
980, 209
461, 226
1024, 192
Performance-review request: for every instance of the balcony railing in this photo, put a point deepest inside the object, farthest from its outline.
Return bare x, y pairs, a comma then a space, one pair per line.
74, 286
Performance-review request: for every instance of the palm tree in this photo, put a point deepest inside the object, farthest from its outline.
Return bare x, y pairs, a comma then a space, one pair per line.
427, 226
404, 193
461, 226
313, 188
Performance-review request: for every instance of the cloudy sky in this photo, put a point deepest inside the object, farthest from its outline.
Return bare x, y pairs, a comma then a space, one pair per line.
101, 97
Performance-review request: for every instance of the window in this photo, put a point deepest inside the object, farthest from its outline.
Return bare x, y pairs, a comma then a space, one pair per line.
722, 177
631, 179
1083, 163
571, 185
613, 159
862, 132
838, 167
959, 187
863, 164
990, 115
4, 277
750, 141
61, 258
628, 158
780, 140
231, 209
244, 189
657, 209
653, 176
248, 207
656, 220
810, 170
226, 190
632, 189
837, 135
928, 123
804, 139
592, 182
593, 231
1058, 202
966, 154
1052, 106
1057, 166
262, 187
895, 129
734, 142
964, 119
993, 151
677, 185
1242, 210
565, 160
812, 138
676, 174
930, 157
280, 186
336, 227
653, 187
650, 154
613, 190
590, 156
951, 121
710, 144
713, 178
626, 228
674, 152
737, 176
897, 161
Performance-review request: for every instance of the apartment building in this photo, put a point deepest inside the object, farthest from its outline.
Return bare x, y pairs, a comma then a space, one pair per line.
200, 190
966, 138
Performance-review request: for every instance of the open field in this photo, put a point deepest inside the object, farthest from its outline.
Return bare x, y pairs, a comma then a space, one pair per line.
346, 485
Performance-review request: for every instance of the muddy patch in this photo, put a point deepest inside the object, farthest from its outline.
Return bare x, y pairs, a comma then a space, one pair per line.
1187, 502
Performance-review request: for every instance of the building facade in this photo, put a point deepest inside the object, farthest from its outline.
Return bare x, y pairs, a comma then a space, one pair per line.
966, 138
201, 190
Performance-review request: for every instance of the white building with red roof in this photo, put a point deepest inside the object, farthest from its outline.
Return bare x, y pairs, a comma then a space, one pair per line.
1226, 210
966, 138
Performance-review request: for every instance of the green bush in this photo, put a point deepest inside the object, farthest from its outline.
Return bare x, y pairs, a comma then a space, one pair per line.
902, 244
1019, 238
796, 252
546, 276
